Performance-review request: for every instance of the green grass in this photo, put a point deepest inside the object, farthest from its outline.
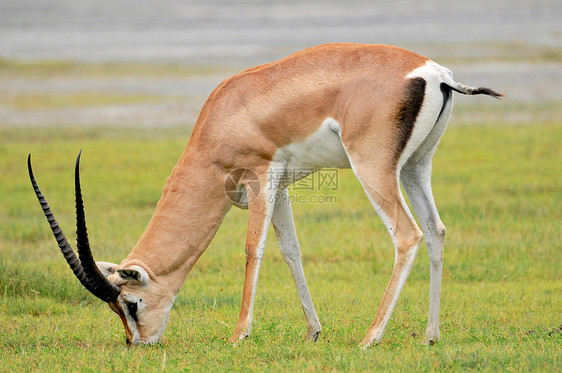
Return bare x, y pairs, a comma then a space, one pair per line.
498, 189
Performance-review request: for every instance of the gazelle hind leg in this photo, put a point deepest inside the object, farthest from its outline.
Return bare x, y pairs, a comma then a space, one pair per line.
259, 218
386, 197
416, 180
284, 226
417, 183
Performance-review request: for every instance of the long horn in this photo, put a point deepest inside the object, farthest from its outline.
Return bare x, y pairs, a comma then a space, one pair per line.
107, 293
101, 287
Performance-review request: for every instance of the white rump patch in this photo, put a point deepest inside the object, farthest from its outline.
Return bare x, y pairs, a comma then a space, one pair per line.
433, 74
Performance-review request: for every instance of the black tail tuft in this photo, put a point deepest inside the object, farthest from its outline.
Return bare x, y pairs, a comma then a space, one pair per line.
487, 91
466, 90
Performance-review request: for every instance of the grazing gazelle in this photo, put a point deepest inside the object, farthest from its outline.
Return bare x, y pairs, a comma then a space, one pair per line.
378, 109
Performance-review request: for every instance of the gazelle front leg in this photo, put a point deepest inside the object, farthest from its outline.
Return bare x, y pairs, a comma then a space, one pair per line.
259, 218
284, 225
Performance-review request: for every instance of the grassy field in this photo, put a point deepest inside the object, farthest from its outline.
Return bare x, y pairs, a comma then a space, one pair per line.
498, 188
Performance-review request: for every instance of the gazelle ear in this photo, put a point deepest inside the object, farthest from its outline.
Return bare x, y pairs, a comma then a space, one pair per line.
134, 274
106, 268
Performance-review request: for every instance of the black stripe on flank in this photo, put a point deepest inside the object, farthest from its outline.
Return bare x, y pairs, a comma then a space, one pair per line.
408, 111
446, 91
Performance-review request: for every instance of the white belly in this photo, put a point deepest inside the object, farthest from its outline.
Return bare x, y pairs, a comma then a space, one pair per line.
320, 150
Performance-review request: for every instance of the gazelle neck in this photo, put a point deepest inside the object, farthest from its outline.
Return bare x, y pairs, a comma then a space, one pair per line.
187, 216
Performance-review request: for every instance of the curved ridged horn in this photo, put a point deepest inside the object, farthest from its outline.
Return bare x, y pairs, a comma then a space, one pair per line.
84, 269
101, 287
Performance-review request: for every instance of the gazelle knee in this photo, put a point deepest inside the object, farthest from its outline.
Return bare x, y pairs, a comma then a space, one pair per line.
441, 230
415, 238
418, 236
407, 245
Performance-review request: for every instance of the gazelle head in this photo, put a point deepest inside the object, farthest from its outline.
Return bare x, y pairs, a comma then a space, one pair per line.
143, 305
130, 291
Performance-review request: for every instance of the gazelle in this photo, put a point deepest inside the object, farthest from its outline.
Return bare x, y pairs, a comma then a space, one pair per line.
378, 109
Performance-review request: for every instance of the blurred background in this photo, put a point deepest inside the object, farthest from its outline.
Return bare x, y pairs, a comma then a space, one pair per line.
136, 63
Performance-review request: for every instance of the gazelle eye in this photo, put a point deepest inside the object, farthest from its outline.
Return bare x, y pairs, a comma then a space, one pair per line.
132, 308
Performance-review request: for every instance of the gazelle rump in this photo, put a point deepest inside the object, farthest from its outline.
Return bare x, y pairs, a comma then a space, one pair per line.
378, 109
